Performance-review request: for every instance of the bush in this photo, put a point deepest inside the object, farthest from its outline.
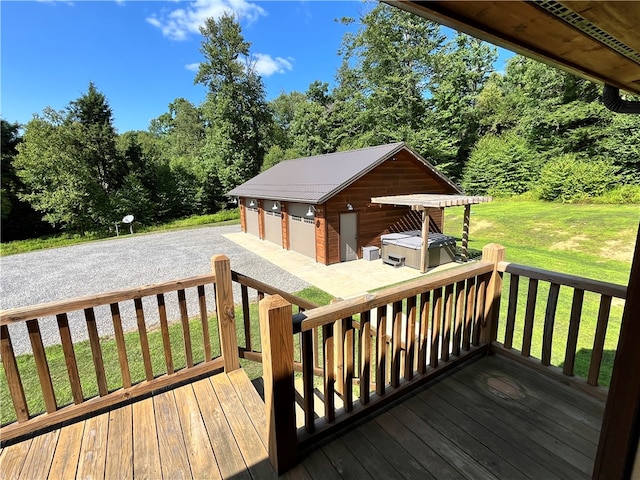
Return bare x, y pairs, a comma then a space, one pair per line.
500, 166
624, 194
569, 179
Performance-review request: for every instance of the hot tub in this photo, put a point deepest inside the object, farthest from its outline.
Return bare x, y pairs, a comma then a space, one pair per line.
404, 248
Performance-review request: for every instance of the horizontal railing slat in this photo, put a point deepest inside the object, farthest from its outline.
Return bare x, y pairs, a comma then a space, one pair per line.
263, 288
347, 308
64, 306
596, 286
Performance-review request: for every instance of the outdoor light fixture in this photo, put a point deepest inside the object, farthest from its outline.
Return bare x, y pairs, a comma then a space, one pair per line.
311, 211
252, 203
276, 206
234, 200
349, 206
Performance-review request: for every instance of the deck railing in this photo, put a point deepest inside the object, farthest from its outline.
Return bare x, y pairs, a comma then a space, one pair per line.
530, 321
161, 368
251, 350
372, 349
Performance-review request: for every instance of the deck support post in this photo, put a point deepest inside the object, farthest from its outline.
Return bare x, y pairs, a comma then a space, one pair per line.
424, 251
225, 309
276, 331
495, 254
465, 233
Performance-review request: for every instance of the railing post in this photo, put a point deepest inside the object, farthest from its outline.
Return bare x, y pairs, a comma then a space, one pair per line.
276, 332
492, 253
226, 312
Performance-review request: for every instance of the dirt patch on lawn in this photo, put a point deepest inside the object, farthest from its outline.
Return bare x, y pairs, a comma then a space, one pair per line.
478, 225
572, 243
621, 250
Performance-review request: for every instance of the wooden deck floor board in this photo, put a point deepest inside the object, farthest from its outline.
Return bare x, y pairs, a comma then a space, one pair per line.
501, 467
224, 445
199, 449
582, 407
455, 427
487, 416
38, 461
146, 452
319, 466
252, 403
547, 434
120, 443
12, 459
448, 450
93, 452
174, 460
385, 457
345, 463
549, 405
67, 454
251, 446
421, 452
476, 432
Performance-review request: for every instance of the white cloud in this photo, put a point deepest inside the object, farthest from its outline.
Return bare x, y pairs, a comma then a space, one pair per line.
178, 24
266, 65
192, 66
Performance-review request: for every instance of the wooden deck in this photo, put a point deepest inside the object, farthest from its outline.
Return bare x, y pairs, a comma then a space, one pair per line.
492, 418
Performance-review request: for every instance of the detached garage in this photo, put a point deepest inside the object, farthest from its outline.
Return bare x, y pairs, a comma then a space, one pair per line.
322, 206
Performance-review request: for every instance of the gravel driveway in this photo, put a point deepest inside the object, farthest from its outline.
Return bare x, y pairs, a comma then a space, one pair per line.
124, 262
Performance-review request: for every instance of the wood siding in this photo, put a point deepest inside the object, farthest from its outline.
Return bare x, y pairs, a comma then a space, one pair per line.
404, 175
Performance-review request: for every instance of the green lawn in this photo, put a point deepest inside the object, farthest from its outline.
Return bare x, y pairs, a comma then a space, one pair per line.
593, 241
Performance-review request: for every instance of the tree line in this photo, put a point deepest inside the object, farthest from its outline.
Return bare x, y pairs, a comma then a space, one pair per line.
531, 128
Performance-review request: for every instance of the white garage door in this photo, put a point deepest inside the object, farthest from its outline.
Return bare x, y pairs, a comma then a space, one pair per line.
251, 216
302, 231
272, 222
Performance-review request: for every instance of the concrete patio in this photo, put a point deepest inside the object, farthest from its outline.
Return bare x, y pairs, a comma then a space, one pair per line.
344, 280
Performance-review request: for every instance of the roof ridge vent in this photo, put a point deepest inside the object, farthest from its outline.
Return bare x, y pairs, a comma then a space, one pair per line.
578, 21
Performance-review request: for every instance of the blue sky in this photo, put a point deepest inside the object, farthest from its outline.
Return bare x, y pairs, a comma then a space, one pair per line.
142, 55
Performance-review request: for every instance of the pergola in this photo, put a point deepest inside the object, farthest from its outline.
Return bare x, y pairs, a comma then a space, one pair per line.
424, 201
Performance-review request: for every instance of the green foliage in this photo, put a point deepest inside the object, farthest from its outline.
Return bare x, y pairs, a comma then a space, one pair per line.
236, 110
623, 194
568, 179
276, 154
500, 165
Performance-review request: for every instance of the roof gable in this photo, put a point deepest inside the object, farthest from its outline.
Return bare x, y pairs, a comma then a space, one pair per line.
316, 179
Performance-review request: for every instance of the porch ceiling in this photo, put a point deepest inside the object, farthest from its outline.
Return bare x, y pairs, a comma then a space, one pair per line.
427, 200
593, 39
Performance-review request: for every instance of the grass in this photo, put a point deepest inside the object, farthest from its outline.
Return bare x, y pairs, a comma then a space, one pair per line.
594, 241
224, 217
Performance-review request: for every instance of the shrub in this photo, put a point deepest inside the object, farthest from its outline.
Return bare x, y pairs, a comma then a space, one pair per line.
623, 194
569, 179
501, 166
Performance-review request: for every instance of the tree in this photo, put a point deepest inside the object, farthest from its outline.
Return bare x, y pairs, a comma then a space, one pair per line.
384, 77
19, 220
461, 71
238, 116
70, 165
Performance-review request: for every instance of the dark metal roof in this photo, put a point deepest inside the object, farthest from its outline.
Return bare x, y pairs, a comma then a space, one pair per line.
316, 179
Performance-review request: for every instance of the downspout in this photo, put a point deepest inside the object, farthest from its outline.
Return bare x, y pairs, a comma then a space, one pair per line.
611, 99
